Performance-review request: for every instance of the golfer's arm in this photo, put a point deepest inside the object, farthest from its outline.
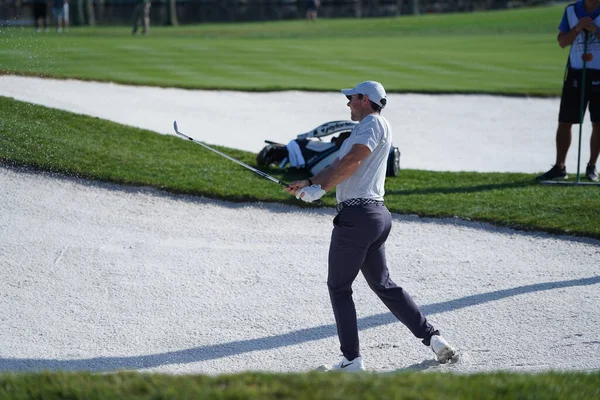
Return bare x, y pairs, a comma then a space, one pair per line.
324, 174
342, 168
567, 38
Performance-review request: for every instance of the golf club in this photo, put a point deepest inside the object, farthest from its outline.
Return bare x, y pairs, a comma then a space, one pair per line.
259, 172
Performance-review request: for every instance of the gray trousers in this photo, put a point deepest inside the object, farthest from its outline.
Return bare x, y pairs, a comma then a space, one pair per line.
358, 244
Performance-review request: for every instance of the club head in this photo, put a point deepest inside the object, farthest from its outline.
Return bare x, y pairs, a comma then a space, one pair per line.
175, 126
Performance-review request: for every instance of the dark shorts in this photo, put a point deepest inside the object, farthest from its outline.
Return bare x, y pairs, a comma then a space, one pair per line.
570, 101
58, 12
40, 10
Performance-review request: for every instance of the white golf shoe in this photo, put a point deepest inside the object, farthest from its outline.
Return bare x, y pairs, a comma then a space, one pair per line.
442, 349
356, 365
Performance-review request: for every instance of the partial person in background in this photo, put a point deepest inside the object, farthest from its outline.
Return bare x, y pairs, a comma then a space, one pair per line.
362, 226
40, 15
141, 15
311, 10
60, 11
66, 16
579, 24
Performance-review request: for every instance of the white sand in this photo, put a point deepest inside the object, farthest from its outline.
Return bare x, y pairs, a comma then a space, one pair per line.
100, 277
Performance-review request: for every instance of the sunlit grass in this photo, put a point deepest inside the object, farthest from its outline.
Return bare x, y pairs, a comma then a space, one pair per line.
508, 52
310, 386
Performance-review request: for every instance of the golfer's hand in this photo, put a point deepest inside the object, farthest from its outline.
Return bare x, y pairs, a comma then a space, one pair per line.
296, 185
310, 194
588, 24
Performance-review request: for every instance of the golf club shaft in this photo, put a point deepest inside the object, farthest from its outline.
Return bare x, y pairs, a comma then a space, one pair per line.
259, 172
264, 175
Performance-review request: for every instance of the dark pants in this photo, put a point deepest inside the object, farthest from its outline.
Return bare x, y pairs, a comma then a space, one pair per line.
358, 244
141, 14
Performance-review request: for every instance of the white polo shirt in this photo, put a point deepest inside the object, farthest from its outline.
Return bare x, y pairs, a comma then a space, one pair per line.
368, 180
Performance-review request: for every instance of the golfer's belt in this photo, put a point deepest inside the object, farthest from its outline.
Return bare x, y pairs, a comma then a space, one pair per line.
356, 202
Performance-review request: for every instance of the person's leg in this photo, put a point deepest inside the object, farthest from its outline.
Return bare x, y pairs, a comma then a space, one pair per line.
594, 143
393, 296
36, 16
310, 11
352, 235
46, 17
563, 142
344, 264
569, 114
136, 18
591, 172
146, 17
595, 117
66, 16
58, 13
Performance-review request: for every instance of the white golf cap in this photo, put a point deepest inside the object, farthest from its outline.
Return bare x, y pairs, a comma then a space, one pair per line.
373, 90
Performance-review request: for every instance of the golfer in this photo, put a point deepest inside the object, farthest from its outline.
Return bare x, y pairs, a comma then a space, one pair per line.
362, 226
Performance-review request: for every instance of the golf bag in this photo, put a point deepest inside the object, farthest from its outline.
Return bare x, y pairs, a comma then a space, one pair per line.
309, 152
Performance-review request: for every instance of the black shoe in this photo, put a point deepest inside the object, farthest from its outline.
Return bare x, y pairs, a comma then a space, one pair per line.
591, 173
555, 173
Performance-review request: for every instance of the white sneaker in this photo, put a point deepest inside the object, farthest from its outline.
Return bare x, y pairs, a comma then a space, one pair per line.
443, 351
356, 365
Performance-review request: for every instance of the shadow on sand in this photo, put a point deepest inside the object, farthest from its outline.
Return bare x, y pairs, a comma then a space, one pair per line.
105, 364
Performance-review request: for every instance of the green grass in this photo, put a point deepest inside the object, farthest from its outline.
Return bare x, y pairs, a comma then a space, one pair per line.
509, 52
88, 147
311, 386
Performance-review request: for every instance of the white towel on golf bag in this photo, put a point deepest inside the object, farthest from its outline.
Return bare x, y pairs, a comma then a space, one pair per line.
295, 155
